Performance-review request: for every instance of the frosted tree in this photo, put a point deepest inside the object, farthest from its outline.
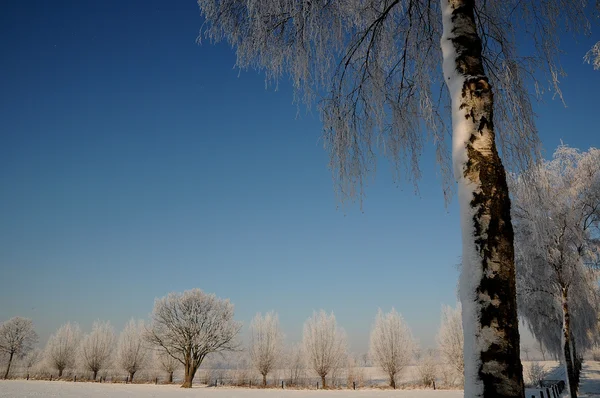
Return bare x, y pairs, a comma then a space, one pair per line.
132, 351
167, 363
33, 358
374, 67
61, 349
593, 56
96, 349
450, 339
391, 344
324, 344
17, 338
295, 363
556, 211
266, 343
191, 325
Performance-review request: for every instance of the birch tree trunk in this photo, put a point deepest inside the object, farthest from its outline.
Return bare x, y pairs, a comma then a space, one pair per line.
487, 285
571, 382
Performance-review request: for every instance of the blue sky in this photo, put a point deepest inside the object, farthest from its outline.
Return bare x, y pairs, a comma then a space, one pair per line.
135, 163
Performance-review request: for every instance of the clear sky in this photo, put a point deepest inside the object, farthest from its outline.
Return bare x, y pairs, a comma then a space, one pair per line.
134, 163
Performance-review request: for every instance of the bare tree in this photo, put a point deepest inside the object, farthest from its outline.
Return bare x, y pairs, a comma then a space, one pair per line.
392, 345
450, 338
17, 338
97, 348
167, 363
190, 326
266, 343
62, 346
557, 224
324, 344
132, 353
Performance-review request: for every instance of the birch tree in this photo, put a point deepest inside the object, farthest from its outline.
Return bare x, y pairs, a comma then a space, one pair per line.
557, 220
374, 67
61, 349
132, 352
391, 344
97, 348
17, 338
450, 339
191, 325
266, 343
324, 344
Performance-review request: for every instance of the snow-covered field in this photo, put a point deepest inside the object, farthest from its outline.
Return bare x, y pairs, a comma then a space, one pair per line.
590, 387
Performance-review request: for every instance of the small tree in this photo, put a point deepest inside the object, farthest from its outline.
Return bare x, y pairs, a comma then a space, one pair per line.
167, 363
266, 343
295, 363
190, 326
324, 344
17, 338
427, 368
392, 346
61, 348
132, 354
32, 359
97, 347
450, 339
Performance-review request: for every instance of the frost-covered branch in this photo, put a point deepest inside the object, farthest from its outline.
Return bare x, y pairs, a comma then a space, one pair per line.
17, 338
132, 352
62, 346
392, 346
191, 325
324, 344
266, 343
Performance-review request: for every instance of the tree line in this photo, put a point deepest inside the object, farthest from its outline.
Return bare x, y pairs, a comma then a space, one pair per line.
186, 328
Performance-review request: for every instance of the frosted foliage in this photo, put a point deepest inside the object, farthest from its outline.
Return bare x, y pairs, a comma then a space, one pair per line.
391, 344
132, 353
593, 56
556, 213
97, 348
167, 362
17, 338
62, 346
295, 363
324, 343
191, 325
450, 339
266, 343
374, 68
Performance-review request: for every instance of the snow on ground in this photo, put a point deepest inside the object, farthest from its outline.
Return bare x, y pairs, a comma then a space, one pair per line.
23, 388
590, 388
